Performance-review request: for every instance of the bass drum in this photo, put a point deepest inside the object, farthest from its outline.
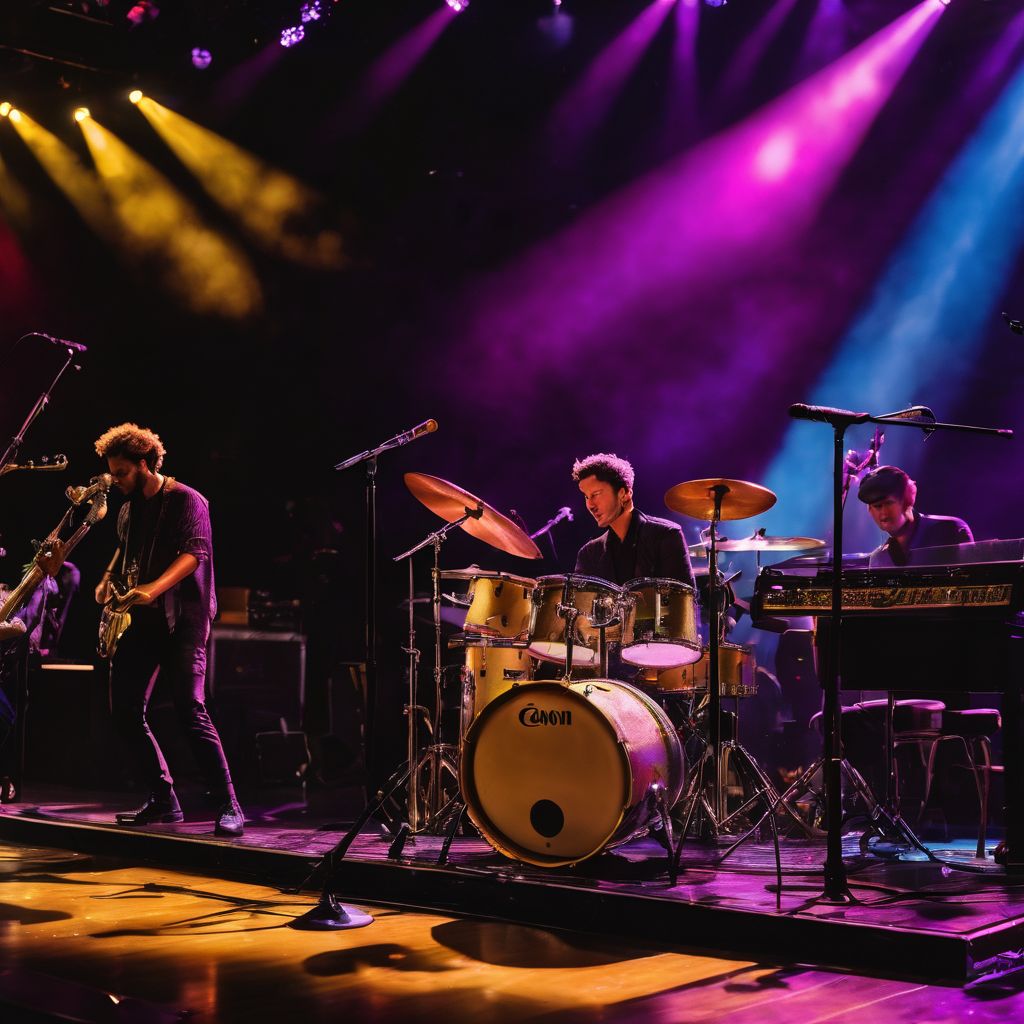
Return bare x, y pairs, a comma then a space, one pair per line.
553, 774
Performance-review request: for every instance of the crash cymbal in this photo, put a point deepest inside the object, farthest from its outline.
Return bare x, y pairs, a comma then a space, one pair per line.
740, 499
450, 502
759, 542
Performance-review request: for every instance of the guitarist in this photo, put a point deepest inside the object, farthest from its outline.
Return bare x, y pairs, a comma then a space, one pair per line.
164, 530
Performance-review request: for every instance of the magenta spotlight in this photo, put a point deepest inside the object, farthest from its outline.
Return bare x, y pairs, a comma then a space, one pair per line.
201, 58
458, 6
292, 35
311, 11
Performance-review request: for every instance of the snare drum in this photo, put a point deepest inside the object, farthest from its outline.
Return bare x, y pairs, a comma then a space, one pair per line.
499, 605
736, 668
553, 774
488, 673
598, 603
664, 630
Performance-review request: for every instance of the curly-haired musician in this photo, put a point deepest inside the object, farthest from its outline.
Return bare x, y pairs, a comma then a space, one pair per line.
165, 536
634, 544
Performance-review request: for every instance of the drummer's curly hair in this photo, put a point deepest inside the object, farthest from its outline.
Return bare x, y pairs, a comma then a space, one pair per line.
130, 441
606, 466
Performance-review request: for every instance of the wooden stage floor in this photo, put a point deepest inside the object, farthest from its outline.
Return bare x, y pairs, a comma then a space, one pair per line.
91, 939
915, 920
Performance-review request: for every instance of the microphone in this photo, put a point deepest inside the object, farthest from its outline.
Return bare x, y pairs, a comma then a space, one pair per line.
563, 513
1017, 326
827, 414
76, 495
76, 346
426, 427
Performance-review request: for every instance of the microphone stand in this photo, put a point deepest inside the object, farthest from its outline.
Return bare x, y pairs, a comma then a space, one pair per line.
41, 403
369, 457
836, 887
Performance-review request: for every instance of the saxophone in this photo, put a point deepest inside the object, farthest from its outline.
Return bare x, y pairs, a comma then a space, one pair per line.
96, 497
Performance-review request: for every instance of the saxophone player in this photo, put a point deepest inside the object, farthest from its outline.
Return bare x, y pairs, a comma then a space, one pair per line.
164, 535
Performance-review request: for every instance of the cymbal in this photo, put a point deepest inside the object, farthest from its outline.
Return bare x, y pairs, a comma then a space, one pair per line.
450, 502
759, 542
740, 499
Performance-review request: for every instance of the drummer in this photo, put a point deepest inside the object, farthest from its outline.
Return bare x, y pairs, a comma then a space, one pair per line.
633, 544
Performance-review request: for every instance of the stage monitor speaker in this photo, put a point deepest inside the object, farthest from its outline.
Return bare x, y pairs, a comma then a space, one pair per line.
255, 679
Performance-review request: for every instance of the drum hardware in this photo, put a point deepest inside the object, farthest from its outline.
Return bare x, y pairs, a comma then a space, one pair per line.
716, 500
437, 757
429, 804
663, 631
570, 614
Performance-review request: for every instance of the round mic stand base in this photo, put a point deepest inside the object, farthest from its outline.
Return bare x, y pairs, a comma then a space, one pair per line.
331, 915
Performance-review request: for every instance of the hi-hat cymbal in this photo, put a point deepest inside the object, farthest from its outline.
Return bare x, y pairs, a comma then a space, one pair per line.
450, 502
740, 499
759, 542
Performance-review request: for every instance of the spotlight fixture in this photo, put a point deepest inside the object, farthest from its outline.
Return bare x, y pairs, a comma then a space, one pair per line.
81, 113
292, 35
715, 3
201, 59
15, 115
458, 6
135, 96
5, 108
311, 12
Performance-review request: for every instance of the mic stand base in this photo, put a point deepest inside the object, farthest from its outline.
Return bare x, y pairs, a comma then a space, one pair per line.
331, 915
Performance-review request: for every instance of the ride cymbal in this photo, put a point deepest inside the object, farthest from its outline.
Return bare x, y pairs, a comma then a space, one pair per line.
451, 503
740, 498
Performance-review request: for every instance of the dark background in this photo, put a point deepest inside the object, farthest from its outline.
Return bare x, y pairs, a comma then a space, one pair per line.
438, 194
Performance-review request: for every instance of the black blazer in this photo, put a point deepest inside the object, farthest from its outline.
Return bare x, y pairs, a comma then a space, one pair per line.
660, 551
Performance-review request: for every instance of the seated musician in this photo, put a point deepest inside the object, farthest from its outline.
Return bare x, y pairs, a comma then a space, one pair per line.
633, 544
890, 495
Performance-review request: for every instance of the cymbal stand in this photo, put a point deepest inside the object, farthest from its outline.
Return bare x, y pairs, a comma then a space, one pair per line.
437, 757
713, 804
567, 610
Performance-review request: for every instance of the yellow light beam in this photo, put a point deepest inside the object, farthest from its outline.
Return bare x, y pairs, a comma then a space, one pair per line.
14, 201
209, 273
69, 173
278, 211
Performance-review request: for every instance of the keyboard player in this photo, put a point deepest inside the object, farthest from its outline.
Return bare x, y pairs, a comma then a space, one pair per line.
890, 496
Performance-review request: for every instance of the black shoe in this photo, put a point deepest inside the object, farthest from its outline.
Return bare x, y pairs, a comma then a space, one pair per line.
156, 810
230, 820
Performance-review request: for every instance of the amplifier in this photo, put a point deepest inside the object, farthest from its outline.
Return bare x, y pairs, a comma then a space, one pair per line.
256, 680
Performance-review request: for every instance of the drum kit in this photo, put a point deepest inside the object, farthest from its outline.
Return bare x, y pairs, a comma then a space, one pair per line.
552, 771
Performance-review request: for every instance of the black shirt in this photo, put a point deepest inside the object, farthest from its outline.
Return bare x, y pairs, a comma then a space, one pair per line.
623, 552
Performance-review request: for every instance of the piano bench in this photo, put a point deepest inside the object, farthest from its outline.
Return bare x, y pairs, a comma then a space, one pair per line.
972, 723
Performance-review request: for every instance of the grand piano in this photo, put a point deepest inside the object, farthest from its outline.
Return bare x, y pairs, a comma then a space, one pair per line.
951, 620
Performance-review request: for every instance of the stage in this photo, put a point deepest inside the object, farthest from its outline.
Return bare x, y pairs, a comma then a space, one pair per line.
914, 920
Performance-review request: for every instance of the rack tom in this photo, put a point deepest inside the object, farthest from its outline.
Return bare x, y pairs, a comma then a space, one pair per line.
664, 631
499, 605
596, 602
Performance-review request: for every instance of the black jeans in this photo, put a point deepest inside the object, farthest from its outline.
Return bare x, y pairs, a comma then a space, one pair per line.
149, 650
